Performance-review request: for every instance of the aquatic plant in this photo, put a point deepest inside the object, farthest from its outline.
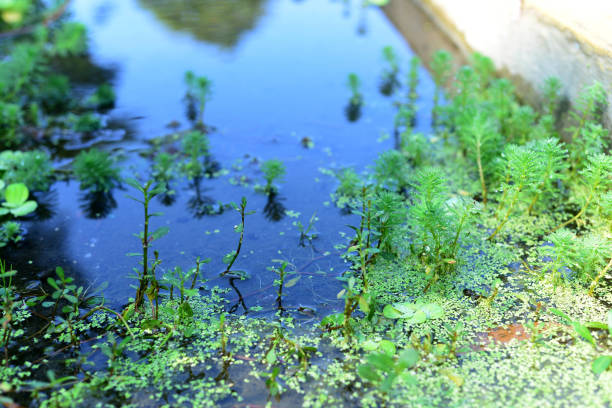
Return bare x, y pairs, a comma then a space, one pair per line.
274, 171
484, 68
383, 369
103, 98
592, 139
441, 67
438, 225
16, 201
413, 82
195, 146
479, 136
415, 147
199, 90
32, 168
595, 180
95, 171
55, 94
143, 276
69, 39
391, 170
551, 90
588, 108
10, 232
231, 257
551, 164
521, 168
389, 80
308, 233
355, 103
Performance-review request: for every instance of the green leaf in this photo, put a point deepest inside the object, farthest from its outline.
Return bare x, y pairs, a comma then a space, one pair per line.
293, 281
227, 258
408, 358
584, 333
364, 306
610, 322
387, 347
601, 364
392, 313
271, 356
160, 232
134, 183
150, 324
25, 209
16, 194
70, 298
418, 317
367, 373
52, 283
433, 311
381, 361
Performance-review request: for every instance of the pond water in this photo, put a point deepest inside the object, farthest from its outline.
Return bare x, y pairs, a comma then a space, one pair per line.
279, 70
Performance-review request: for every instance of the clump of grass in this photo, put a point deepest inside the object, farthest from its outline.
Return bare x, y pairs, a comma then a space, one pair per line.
96, 171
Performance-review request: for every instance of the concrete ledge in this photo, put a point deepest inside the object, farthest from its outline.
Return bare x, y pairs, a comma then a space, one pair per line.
529, 40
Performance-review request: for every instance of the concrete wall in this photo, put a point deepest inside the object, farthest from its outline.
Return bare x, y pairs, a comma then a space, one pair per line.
528, 40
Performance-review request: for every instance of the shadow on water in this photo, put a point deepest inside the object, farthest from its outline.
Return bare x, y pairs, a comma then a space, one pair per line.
218, 22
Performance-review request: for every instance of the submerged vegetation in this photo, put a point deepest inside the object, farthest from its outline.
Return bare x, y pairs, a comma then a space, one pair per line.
477, 269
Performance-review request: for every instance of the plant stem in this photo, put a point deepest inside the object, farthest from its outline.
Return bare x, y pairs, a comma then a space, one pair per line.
481, 173
599, 276
575, 217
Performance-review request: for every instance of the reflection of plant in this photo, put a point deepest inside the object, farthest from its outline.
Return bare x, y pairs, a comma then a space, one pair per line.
273, 170
199, 89
95, 170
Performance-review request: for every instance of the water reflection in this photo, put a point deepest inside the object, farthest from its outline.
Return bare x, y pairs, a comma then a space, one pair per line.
97, 204
213, 21
200, 204
274, 209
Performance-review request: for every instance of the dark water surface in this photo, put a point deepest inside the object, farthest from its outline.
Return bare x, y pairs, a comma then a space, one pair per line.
279, 69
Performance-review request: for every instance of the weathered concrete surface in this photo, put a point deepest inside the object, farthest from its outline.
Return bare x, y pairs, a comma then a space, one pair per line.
528, 40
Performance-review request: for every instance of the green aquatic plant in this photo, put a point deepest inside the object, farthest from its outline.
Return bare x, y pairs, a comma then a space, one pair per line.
16, 201
199, 90
146, 236
10, 232
69, 39
103, 98
484, 68
85, 123
596, 181
95, 170
384, 370
521, 168
592, 139
55, 93
308, 233
438, 225
551, 90
441, 67
8, 297
413, 82
231, 257
354, 85
11, 118
551, 164
32, 168
415, 147
274, 171
563, 254
195, 147
588, 108
389, 80
481, 140
164, 167
391, 170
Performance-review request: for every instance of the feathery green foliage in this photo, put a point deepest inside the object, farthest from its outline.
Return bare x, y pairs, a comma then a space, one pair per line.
95, 170
274, 171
